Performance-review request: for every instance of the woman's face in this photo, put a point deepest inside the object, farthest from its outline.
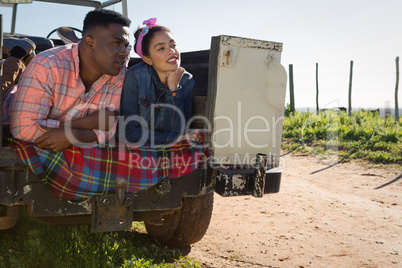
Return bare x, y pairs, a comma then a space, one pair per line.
164, 55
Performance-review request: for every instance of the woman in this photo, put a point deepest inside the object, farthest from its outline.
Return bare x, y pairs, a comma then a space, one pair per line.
156, 96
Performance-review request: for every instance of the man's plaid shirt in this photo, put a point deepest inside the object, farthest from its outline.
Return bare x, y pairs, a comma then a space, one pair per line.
50, 91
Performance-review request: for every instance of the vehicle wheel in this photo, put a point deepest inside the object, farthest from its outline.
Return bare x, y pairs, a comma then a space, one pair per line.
10, 217
187, 225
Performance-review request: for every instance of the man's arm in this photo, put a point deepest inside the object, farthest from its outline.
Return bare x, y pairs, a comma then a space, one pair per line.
57, 139
80, 130
102, 119
32, 102
115, 91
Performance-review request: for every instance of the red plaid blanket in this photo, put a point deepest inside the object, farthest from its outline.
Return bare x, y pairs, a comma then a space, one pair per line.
80, 172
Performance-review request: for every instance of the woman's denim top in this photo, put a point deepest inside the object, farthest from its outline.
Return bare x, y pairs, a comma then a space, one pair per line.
152, 113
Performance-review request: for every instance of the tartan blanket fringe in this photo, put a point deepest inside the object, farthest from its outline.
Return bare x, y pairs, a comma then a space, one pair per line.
82, 172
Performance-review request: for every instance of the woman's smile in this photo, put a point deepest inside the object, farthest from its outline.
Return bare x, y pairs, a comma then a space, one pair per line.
164, 55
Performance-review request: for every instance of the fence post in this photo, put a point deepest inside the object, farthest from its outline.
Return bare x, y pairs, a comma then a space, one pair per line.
291, 89
350, 89
396, 90
316, 86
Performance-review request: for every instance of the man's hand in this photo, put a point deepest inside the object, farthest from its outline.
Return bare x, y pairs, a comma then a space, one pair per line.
174, 77
105, 118
54, 139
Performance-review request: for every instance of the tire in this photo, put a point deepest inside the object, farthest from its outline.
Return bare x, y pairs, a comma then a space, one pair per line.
187, 225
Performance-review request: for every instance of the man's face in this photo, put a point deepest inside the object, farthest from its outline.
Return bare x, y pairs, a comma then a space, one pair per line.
110, 48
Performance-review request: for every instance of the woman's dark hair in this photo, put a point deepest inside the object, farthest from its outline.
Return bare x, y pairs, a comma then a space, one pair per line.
102, 18
146, 40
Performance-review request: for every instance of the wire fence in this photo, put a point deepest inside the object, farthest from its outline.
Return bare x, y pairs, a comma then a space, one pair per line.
354, 85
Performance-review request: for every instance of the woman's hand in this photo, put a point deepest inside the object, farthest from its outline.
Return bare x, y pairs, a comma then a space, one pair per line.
174, 77
191, 136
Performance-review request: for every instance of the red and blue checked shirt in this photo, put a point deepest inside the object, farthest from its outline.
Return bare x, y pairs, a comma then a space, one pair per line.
50, 91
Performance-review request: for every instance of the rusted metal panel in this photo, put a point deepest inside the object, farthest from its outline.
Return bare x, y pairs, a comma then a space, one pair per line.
241, 184
12, 184
9, 158
253, 180
109, 214
231, 181
113, 211
251, 43
259, 177
233, 185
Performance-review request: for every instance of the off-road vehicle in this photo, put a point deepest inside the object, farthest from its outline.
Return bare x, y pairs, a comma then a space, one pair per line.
238, 100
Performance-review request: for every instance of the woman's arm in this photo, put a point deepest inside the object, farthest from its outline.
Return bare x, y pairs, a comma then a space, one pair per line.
134, 129
181, 97
129, 110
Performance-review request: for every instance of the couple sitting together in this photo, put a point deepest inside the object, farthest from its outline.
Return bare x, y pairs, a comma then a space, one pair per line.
71, 96
75, 82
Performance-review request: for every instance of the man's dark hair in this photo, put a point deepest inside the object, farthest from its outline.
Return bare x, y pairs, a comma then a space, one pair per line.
102, 18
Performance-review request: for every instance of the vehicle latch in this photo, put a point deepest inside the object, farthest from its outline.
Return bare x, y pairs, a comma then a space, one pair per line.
229, 56
113, 212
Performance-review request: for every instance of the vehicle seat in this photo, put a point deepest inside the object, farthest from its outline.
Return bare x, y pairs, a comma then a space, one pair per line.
40, 42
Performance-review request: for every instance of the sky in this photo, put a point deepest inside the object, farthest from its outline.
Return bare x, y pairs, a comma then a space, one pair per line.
331, 33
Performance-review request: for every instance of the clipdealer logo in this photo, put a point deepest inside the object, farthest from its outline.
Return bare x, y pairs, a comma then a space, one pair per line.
258, 132
325, 126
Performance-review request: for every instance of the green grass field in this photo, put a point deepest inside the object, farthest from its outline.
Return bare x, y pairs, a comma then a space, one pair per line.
361, 136
35, 244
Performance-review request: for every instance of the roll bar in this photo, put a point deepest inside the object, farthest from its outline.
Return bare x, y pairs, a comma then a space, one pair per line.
84, 3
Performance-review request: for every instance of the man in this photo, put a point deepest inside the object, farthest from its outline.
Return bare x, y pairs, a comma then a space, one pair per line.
19, 53
63, 91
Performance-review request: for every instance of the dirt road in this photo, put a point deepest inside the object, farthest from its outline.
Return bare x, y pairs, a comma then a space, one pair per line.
345, 215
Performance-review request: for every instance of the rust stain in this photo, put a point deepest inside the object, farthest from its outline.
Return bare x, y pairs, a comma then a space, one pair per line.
227, 55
